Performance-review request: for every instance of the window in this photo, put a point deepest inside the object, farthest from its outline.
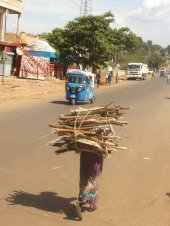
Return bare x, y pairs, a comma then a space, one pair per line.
75, 79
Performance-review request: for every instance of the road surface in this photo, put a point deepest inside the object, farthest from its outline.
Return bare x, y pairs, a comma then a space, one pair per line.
38, 188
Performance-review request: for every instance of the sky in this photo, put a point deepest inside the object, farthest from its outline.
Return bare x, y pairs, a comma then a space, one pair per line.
148, 19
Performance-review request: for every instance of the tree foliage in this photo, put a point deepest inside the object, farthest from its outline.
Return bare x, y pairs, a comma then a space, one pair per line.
88, 38
90, 41
124, 40
55, 38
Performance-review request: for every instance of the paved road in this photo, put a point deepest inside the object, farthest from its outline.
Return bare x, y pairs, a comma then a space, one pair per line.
38, 188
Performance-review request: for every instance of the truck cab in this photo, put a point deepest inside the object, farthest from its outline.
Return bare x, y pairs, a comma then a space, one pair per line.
137, 71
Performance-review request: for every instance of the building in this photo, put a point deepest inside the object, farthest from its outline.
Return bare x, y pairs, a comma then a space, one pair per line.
37, 59
9, 7
8, 42
15, 56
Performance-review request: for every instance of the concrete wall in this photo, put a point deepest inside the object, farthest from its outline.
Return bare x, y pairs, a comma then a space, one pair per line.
13, 5
121, 74
9, 7
2, 23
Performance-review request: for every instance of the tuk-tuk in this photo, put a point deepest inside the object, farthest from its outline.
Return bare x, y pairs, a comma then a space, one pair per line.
79, 86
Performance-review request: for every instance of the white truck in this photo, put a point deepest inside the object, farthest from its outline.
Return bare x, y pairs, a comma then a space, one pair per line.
137, 71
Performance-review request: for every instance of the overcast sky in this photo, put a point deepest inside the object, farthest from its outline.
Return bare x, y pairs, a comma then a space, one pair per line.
149, 19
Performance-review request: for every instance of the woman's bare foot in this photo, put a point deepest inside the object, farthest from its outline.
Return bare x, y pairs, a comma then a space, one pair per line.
92, 208
78, 210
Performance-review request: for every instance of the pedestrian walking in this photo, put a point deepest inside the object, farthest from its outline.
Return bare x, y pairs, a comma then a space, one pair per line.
91, 166
86, 140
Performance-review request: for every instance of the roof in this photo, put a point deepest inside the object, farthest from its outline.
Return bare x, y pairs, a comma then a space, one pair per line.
40, 45
79, 72
11, 39
27, 38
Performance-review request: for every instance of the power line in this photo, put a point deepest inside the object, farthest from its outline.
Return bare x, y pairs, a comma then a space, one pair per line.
86, 7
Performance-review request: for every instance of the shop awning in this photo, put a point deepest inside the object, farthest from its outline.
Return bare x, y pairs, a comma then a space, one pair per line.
43, 54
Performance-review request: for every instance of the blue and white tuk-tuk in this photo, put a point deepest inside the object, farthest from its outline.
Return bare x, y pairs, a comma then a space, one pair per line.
79, 86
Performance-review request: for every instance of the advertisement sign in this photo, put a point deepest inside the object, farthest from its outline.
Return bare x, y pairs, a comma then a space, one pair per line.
14, 5
29, 69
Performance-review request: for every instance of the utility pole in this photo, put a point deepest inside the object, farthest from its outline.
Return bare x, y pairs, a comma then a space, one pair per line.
3, 59
86, 7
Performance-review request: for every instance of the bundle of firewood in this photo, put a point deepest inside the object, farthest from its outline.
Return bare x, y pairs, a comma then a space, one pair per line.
89, 130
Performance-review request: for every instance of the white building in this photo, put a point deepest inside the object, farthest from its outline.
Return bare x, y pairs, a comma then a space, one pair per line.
9, 7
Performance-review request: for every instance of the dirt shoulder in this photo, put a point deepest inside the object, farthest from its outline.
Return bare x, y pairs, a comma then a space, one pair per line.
15, 88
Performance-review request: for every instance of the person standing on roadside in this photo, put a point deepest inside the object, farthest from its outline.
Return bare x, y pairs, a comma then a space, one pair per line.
107, 74
153, 75
98, 77
110, 74
168, 77
110, 77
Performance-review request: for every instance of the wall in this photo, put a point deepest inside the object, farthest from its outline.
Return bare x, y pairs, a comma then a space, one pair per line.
14, 5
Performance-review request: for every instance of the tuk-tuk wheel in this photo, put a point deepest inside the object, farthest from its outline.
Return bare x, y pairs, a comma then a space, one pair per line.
72, 101
92, 100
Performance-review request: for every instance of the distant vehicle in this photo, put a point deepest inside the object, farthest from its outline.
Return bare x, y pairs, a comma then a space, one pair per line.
163, 73
137, 71
79, 86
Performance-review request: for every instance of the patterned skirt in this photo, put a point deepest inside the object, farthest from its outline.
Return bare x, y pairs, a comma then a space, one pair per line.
90, 170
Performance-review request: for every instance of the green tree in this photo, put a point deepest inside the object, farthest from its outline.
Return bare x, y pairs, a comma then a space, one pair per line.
168, 49
55, 38
85, 40
88, 40
155, 61
124, 40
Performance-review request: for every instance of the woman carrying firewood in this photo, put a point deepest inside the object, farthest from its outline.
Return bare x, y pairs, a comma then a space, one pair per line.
90, 133
91, 166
